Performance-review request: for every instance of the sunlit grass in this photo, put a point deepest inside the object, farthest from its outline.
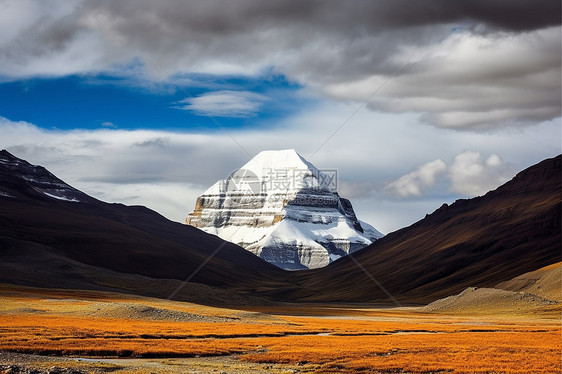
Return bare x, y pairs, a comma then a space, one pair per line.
356, 341
511, 352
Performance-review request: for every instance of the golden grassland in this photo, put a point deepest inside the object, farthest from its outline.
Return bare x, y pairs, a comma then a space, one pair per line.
331, 340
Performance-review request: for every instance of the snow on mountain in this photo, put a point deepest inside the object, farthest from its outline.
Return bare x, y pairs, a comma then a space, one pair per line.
61, 197
37, 179
5, 194
370, 230
282, 208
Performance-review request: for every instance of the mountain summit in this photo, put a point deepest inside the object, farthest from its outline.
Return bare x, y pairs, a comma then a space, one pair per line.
283, 209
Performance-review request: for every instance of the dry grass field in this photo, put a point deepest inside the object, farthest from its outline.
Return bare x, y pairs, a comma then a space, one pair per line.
123, 333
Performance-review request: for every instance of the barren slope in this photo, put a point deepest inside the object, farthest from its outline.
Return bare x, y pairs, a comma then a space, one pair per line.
477, 242
545, 282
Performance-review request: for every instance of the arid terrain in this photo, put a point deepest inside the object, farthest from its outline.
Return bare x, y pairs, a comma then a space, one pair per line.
480, 330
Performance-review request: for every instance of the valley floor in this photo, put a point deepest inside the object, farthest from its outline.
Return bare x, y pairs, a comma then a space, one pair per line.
56, 331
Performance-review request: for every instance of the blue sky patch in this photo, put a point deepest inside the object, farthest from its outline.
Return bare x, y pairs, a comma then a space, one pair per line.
96, 101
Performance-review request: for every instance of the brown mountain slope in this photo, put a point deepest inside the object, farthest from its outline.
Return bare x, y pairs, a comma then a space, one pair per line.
44, 220
477, 242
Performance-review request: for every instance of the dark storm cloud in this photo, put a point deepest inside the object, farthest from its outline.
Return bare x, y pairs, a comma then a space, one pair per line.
232, 16
474, 63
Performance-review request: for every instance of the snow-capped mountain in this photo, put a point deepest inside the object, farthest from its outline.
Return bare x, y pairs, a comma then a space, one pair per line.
24, 178
282, 208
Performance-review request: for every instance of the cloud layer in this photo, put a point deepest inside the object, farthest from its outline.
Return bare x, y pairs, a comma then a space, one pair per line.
168, 170
464, 64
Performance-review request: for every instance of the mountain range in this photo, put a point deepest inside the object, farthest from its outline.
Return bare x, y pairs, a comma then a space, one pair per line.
53, 235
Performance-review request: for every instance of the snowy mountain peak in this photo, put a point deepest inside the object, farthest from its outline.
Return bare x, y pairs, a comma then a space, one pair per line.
275, 173
282, 208
287, 158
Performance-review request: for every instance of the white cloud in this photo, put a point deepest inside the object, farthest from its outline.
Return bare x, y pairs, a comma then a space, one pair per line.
225, 103
467, 175
471, 176
412, 184
494, 161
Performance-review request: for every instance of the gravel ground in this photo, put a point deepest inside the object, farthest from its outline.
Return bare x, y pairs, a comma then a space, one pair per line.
12, 363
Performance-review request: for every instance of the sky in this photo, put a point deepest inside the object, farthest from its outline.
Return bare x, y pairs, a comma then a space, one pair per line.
415, 104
